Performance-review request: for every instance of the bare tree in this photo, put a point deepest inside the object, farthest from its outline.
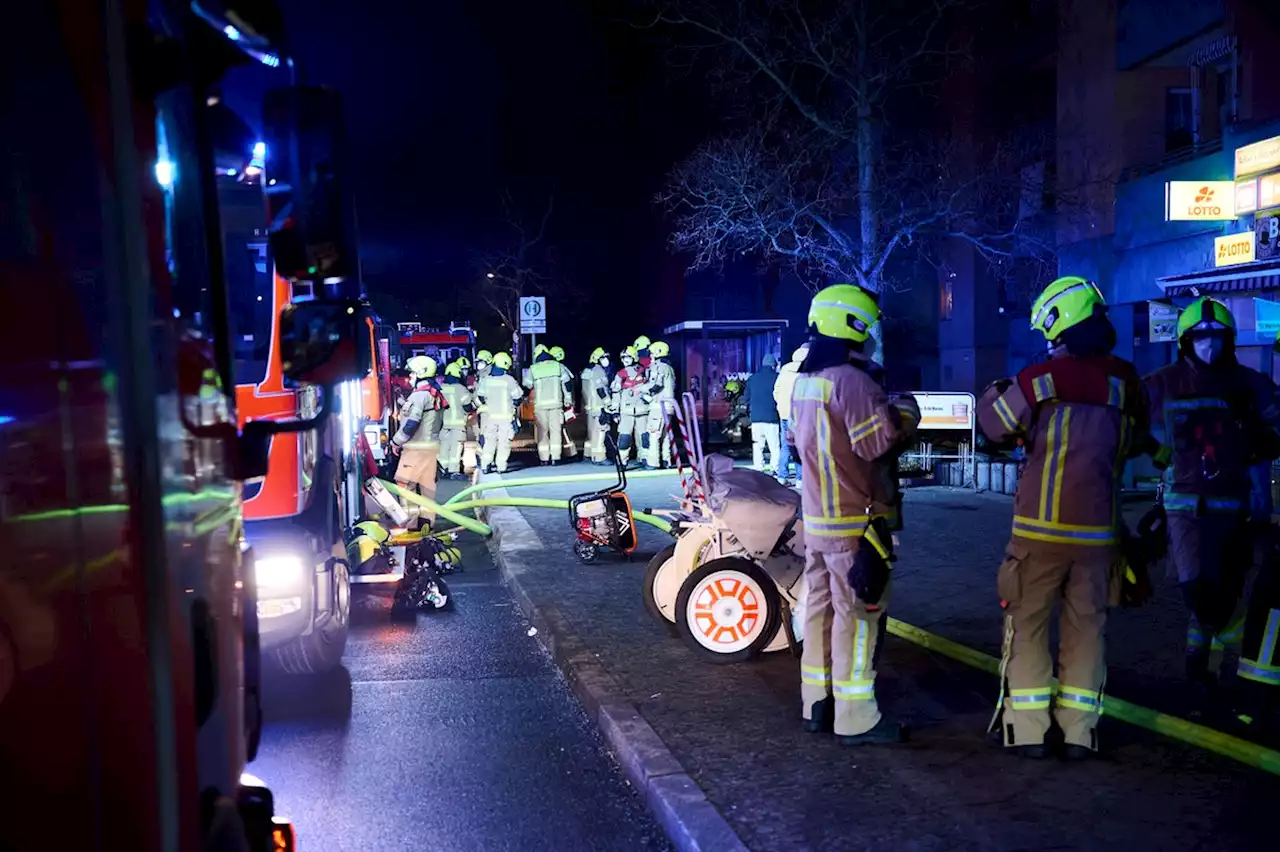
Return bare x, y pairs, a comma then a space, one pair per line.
520, 264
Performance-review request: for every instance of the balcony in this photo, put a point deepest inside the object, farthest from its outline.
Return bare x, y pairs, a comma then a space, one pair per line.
1171, 159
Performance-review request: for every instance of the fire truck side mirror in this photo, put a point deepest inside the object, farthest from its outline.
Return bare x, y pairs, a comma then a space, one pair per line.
320, 342
308, 188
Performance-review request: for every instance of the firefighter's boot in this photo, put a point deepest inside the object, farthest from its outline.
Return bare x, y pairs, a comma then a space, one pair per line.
885, 732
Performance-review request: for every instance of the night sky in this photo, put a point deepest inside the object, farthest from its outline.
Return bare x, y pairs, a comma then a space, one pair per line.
451, 102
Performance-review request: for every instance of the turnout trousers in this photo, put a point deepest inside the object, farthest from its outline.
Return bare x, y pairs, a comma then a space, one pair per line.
550, 425
417, 470
495, 440
842, 638
1034, 579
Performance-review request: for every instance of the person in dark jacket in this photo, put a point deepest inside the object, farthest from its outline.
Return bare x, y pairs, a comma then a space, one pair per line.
763, 411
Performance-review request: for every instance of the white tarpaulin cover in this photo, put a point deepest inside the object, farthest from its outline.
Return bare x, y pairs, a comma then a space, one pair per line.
753, 505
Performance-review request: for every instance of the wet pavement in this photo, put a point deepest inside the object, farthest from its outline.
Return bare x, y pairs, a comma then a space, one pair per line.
453, 733
735, 728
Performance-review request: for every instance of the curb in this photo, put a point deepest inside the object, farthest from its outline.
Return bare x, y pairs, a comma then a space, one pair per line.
680, 806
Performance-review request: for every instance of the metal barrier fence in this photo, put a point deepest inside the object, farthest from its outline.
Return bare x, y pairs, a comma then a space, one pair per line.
946, 412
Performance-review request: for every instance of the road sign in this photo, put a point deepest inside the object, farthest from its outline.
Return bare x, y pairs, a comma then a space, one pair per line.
533, 314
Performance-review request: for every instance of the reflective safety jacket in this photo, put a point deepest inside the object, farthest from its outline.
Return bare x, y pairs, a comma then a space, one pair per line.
595, 388
498, 396
546, 380
460, 405
1218, 421
421, 416
1080, 418
847, 435
783, 387
660, 381
628, 385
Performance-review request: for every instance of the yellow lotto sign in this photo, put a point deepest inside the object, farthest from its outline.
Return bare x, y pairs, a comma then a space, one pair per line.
1199, 200
1233, 249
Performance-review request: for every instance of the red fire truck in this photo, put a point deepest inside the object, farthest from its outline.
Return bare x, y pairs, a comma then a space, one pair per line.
128, 609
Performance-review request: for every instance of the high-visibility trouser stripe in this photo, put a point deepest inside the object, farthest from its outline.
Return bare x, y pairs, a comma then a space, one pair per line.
1266, 654
1074, 698
849, 526
1196, 637
1258, 673
1192, 502
829, 488
858, 687
866, 428
814, 676
1005, 413
1031, 699
1234, 633
1038, 530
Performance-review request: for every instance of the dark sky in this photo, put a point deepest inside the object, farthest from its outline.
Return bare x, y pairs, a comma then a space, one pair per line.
452, 101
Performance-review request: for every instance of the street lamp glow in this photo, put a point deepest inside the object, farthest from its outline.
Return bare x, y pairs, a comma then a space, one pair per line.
488, 275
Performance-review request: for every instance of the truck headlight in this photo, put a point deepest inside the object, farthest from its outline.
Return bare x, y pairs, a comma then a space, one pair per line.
280, 571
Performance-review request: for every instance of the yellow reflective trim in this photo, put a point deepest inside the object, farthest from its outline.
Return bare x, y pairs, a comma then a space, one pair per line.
840, 533
1051, 444
812, 389
1062, 539
1005, 413
1054, 525
1061, 467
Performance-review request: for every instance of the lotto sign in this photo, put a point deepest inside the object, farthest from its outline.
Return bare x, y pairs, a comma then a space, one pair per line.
1199, 201
533, 315
1233, 249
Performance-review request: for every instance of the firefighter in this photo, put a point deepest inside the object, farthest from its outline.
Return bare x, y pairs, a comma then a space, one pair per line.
628, 403
846, 425
417, 441
453, 433
566, 375
484, 359
643, 355
1082, 413
660, 393
1217, 417
595, 397
549, 398
498, 394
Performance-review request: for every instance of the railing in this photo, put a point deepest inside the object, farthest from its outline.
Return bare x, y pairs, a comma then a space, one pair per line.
1173, 158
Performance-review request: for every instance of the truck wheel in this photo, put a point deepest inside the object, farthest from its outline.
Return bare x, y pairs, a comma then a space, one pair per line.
322, 648
728, 610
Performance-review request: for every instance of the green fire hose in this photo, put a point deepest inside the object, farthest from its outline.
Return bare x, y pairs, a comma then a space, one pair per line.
448, 514
554, 480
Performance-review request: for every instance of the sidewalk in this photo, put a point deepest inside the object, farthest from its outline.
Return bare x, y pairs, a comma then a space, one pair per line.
735, 731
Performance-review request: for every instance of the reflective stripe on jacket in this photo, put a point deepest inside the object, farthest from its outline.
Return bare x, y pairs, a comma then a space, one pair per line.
846, 432
595, 381
458, 397
547, 385
420, 417
498, 396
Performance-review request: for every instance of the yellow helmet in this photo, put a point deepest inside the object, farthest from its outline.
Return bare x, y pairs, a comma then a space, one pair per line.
374, 530
1066, 302
502, 360
596, 355
844, 311
484, 355
557, 352
454, 369
630, 352
463, 361
642, 342
540, 349
421, 366
733, 387
660, 349
1205, 314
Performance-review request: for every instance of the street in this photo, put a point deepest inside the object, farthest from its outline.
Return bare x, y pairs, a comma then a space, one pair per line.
454, 733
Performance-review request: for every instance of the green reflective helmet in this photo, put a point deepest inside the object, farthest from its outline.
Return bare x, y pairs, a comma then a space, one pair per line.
374, 530
484, 356
557, 352
659, 349
1205, 315
596, 355
1066, 302
845, 312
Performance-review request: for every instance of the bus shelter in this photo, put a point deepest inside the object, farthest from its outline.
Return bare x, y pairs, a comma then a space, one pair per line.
708, 353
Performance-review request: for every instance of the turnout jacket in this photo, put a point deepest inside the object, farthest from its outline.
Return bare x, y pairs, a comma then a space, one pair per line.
1081, 419
848, 434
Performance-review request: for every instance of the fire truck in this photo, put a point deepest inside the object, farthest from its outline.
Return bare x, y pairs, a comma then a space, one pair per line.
129, 630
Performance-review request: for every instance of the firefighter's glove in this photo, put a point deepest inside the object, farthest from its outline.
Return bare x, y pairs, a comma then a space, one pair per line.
869, 574
1153, 533
1135, 585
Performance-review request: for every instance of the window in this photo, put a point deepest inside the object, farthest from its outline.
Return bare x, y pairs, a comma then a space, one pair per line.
947, 305
1179, 120
250, 287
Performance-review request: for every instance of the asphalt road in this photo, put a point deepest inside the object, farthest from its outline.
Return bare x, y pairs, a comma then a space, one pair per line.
454, 733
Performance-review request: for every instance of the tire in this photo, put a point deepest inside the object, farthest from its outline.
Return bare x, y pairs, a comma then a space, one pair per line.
656, 564
733, 635
321, 650
585, 551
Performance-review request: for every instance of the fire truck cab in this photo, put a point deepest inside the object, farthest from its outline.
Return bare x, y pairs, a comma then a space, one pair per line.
129, 629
